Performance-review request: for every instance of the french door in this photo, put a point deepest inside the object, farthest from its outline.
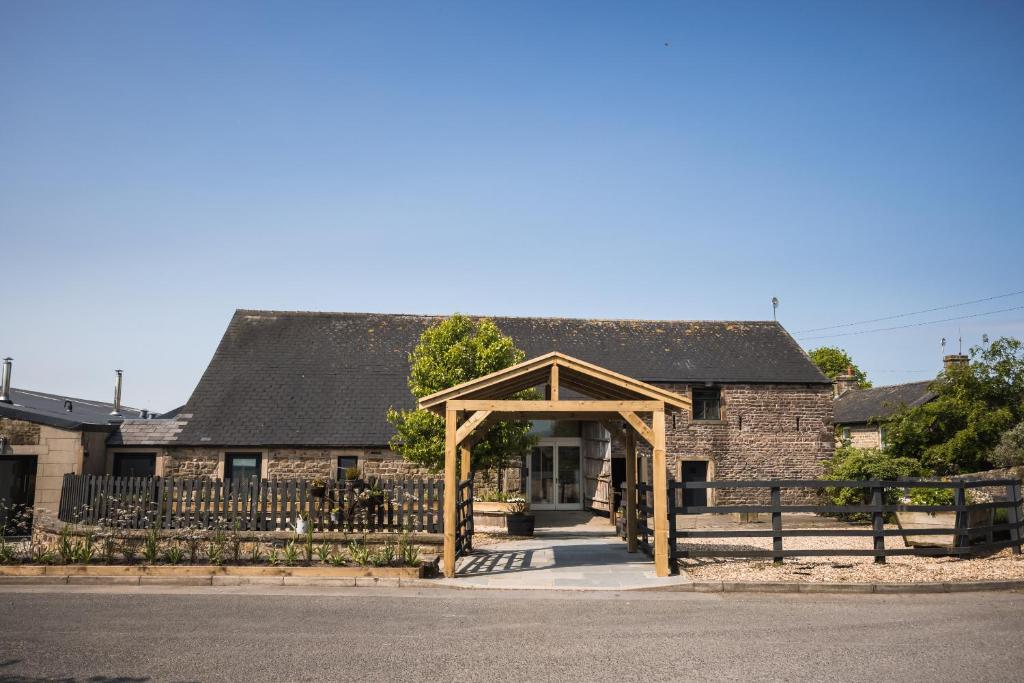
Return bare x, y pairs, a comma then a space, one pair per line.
555, 481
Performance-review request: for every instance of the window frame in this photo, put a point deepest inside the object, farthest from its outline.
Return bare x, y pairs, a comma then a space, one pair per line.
229, 457
694, 399
339, 471
120, 455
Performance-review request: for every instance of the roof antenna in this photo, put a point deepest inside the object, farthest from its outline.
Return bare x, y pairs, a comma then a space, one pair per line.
775, 306
960, 339
943, 344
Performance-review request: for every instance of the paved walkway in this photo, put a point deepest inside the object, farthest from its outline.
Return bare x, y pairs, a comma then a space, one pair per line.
571, 551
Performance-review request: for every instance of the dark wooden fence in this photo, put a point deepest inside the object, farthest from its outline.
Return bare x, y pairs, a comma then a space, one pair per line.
464, 518
876, 509
390, 505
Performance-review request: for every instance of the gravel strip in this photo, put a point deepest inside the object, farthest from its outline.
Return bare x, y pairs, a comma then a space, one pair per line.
840, 569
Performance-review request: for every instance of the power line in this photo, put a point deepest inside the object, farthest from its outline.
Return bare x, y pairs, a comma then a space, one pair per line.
906, 315
921, 324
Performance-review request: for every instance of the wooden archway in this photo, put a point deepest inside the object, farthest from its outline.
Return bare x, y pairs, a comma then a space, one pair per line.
471, 408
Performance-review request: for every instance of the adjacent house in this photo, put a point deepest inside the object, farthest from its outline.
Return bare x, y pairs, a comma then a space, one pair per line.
299, 394
860, 414
43, 436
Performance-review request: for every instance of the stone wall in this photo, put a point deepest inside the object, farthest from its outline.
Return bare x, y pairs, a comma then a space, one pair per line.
864, 436
285, 463
19, 432
297, 463
767, 431
192, 462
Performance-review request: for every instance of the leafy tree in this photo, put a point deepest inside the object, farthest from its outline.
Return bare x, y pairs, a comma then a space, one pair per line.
451, 352
834, 361
976, 404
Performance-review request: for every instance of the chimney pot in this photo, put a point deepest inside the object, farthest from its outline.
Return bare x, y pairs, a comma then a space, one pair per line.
5, 382
116, 412
843, 383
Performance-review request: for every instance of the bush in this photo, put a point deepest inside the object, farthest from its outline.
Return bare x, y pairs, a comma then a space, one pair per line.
863, 464
930, 496
1009, 452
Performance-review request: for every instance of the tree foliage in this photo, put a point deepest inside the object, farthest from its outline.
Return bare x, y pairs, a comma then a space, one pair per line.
1009, 452
834, 361
976, 404
456, 350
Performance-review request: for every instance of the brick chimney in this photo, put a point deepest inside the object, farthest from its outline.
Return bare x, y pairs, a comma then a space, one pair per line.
953, 360
843, 383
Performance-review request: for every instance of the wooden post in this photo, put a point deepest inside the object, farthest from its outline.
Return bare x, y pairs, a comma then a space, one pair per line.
451, 491
776, 494
660, 483
554, 382
630, 491
962, 540
1013, 516
878, 522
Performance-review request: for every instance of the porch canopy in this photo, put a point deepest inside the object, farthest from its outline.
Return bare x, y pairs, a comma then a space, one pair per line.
471, 408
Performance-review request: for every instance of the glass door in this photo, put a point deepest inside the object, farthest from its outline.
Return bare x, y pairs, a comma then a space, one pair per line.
555, 475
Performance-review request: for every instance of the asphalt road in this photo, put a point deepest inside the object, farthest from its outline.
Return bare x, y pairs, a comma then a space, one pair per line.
280, 634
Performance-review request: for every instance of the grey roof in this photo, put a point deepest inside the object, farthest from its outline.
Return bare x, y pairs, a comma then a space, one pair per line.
148, 432
50, 409
298, 378
859, 406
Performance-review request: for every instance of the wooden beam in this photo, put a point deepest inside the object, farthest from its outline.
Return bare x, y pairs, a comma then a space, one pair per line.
639, 425
553, 382
478, 435
660, 484
466, 462
630, 492
451, 485
471, 424
526, 407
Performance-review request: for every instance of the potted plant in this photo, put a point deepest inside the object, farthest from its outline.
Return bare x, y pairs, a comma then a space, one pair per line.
352, 474
318, 487
519, 521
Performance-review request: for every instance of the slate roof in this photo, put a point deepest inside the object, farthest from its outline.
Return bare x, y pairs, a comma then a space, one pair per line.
49, 409
148, 432
299, 378
859, 406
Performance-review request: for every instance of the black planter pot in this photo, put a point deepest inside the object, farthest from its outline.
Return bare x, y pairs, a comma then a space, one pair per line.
519, 525
318, 491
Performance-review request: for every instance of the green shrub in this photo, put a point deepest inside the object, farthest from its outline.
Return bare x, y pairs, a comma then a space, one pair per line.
359, 552
1009, 452
151, 546
863, 464
930, 496
174, 554
291, 554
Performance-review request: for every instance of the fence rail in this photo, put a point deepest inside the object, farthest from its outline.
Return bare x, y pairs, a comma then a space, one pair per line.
392, 505
962, 531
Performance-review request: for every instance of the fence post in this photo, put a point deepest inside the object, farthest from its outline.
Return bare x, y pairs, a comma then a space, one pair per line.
962, 539
776, 524
878, 522
1013, 516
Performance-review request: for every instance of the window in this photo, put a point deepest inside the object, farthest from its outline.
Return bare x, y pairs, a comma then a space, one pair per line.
241, 465
846, 434
707, 403
346, 462
134, 464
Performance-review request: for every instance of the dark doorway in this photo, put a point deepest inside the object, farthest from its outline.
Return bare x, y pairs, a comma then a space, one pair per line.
618, 480
17, 494
134, 464
695, 470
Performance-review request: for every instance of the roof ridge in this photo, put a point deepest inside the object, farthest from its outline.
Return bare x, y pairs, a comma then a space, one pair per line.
257, 311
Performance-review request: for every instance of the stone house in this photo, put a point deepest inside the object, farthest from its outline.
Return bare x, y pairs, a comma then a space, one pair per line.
299, 394
860, 414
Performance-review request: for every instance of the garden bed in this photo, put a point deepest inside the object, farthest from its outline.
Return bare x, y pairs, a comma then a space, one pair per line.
422, 571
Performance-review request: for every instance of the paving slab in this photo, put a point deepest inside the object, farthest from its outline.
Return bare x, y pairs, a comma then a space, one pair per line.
594, 560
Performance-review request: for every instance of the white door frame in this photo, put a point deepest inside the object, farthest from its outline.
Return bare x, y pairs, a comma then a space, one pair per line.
555, 442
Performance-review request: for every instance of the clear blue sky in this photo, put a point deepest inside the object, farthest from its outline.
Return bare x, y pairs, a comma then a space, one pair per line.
164, 163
